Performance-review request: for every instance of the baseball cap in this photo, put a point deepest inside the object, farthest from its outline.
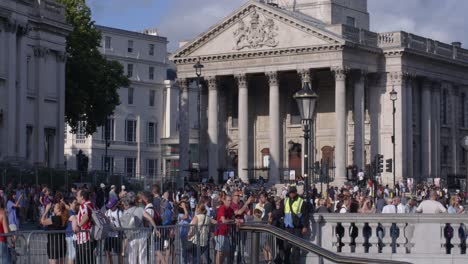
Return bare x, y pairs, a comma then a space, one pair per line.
112, 202
112, 186
103, 185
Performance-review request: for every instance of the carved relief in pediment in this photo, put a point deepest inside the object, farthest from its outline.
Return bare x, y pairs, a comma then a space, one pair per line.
257, 33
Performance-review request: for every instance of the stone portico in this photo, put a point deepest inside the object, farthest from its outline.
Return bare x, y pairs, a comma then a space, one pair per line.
258, 57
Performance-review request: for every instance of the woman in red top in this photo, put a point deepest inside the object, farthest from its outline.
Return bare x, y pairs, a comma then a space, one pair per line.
4, 254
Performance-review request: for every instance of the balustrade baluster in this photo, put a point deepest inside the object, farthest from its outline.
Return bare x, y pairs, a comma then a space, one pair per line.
373, 239
360, 248
409, 234
401, 240
456, 240
387, 239
443, 241
346, 239
335, 240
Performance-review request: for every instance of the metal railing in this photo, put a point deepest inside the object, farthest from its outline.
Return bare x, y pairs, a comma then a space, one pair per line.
304, 245
250, 243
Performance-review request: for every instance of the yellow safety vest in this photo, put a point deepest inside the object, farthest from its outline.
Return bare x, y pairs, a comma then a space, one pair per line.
296, 206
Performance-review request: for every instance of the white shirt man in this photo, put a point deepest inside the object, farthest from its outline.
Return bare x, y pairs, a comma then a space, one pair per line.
394, 207
431, 206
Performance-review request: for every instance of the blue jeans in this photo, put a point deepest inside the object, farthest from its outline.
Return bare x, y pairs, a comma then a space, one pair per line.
5, 257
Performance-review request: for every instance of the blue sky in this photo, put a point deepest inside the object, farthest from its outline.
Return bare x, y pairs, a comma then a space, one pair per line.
443, 20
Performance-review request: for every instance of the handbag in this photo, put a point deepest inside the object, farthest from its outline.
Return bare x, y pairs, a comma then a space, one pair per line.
193, 238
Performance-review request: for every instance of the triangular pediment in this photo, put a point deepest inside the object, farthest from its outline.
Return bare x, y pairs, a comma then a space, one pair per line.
258, 27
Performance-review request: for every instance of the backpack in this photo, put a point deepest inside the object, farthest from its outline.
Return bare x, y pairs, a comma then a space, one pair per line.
156, 216
130, 220
101, 225
133, 224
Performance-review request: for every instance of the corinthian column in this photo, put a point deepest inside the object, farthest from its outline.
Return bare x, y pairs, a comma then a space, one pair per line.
213, 155
340, 110
243, 160
11, 87
275, 128
184, 131
359, 120
426, 129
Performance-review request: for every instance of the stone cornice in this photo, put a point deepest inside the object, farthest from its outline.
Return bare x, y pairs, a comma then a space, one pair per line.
259, 54
243, 12
405, 51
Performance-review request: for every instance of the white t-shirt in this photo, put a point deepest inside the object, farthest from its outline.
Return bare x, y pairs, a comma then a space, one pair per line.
431, 207
361, 175
114, 217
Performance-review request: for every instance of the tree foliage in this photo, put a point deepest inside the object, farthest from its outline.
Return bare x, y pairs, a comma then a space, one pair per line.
92, 81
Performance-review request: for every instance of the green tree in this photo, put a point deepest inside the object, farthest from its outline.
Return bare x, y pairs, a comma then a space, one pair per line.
91, 80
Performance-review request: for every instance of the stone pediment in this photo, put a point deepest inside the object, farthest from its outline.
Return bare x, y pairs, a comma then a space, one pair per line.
258, 27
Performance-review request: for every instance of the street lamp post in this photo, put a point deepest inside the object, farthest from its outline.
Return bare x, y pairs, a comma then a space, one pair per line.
306, 101
393, 98
198, 71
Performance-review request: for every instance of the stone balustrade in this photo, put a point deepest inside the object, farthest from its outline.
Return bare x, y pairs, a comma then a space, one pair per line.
407, 237
410, 41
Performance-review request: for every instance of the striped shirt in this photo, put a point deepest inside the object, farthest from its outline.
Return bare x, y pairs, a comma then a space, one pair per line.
85, 209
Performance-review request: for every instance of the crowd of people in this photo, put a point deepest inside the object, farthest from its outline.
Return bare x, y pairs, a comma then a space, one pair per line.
194, 209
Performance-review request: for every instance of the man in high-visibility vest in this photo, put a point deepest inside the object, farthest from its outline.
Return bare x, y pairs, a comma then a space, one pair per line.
296, 222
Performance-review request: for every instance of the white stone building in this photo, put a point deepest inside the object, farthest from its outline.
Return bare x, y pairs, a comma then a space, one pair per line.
134, 131
254, 62
32, 82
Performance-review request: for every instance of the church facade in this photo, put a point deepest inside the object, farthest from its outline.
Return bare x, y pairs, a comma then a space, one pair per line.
260, 55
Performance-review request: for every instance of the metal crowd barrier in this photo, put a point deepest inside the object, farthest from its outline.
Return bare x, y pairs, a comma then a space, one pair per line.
179, 244
167, 244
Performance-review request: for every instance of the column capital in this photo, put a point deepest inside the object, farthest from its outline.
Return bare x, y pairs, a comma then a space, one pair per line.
436, 86
340, 72
41, 52
272, 78
182, 83
398, 78
241, 80
446, 85
305, 75
61, 56
212, 82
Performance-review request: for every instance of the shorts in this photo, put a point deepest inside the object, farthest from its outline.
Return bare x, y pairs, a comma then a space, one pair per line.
113, 244
71, 250
223, 243
13, 227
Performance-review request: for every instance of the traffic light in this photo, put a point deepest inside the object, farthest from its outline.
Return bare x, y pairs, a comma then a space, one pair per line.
389, 165
380, 163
